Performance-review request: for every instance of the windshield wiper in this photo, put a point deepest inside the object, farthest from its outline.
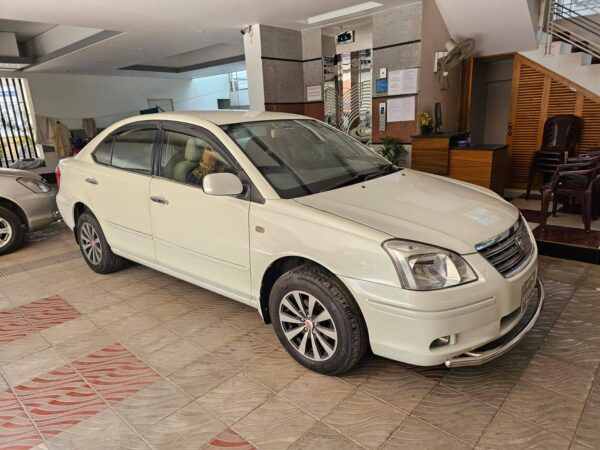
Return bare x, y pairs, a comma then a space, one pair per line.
365, 176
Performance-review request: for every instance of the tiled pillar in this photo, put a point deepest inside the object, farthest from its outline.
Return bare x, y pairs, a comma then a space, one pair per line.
396, 45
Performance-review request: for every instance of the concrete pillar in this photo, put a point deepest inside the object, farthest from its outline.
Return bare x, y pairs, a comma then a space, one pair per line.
254, 68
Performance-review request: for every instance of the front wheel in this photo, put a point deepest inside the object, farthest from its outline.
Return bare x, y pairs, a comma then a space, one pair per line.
317, 320
11, 231
94, 247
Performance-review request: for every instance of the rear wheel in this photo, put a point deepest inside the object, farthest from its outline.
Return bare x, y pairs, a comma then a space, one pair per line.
317, 320
94, 247
11, 231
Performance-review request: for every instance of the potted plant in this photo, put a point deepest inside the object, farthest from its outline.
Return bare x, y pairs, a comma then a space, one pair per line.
393, 151
426, 123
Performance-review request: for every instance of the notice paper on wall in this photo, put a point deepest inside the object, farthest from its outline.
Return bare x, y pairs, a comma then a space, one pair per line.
401, 82
313, 93
401, 109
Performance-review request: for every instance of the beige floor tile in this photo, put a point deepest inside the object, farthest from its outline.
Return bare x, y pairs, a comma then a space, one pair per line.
111, 313
276, 370
203, 375
507, 431
218, 336
87, 305
233, 399
188, 428
552, 411
151, 405
455, 413
191, 322
33, 365
168, 310
130, 326
317, 394
243, 352
560, 376
149, 300
588, 431
398, 386
174, 356
100, 431
21, 348
85, 344
150, 341
414, 433
68, 330
365, 419
323, 437
277, 424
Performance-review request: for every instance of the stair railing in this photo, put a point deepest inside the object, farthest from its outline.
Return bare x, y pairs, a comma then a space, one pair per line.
579, 14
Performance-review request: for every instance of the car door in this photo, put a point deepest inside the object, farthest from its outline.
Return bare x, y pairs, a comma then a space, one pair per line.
199, 235
118, 185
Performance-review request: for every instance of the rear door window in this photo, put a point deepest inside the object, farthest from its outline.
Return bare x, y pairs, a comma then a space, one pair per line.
132, 150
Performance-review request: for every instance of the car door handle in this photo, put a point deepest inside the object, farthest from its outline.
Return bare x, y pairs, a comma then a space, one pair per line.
91, 180
161, 200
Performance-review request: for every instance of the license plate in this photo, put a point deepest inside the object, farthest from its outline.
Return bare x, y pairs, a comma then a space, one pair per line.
527, 291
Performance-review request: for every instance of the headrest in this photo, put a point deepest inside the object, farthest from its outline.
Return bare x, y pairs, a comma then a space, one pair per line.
193, 152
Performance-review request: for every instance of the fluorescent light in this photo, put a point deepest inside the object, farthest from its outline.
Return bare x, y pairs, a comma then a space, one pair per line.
343, 12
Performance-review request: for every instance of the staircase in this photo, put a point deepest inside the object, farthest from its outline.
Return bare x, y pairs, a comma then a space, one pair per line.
569, 41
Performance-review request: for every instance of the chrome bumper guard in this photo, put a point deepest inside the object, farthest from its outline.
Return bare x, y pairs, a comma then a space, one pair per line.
502, 345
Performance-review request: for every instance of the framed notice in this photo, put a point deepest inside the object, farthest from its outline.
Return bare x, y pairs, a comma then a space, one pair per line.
313, 93
401, 109
402, 82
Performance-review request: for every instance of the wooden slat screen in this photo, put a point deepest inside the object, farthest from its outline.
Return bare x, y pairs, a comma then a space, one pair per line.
562, 99
525, 122
466, 83
538, 94
590, 130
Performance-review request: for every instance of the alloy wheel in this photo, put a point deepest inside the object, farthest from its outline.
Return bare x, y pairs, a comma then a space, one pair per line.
90, 243
308, 326
6, 232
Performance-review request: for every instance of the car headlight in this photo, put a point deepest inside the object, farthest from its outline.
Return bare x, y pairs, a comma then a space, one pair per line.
424, 268
37, 186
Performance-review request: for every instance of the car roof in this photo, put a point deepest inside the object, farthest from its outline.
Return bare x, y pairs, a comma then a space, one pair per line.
218, 117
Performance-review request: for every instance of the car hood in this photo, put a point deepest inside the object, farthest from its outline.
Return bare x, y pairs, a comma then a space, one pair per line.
19, 173
421, 207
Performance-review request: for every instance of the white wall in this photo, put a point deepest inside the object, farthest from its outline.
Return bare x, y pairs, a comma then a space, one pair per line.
111, 98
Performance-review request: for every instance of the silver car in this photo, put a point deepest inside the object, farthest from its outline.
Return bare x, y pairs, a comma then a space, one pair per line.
27, 203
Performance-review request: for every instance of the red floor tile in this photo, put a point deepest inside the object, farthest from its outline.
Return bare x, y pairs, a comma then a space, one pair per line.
16, 430
48, 312
116, 373
13, 326
58, 400
229, 439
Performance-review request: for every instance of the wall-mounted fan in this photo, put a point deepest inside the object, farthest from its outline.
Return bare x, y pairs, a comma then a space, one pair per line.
454, 55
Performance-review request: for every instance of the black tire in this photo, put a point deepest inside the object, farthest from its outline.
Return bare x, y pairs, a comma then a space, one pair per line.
12, 221
352, 337
107, 262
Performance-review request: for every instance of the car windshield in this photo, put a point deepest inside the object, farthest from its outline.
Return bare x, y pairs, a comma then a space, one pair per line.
303, 157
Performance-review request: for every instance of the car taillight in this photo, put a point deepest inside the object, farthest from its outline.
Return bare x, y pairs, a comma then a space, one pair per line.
57, 172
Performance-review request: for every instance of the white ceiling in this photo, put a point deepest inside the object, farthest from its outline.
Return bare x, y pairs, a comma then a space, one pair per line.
163, 30
24, 30
498, 26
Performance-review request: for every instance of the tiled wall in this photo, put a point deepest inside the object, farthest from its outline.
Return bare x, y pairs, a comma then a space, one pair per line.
396, 45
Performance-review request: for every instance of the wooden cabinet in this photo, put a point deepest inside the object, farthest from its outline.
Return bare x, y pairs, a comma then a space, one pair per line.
430, 154
484, 166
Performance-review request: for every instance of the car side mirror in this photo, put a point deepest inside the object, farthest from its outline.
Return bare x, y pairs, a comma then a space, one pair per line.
222, 184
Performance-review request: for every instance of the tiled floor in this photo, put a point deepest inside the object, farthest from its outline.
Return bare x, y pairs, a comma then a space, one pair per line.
564, 228
138, 359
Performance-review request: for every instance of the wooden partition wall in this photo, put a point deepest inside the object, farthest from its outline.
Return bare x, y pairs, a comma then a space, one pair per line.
538, 93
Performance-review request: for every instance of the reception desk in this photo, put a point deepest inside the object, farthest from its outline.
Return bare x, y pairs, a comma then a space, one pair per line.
485, 165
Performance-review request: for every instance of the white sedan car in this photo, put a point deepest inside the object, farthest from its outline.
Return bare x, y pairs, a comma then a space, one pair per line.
337, 248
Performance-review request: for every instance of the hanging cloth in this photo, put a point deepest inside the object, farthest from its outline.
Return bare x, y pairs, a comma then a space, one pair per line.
62, 140
44, 130
89, 127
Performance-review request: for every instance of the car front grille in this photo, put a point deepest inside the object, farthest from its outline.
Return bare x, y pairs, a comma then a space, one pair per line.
509, 252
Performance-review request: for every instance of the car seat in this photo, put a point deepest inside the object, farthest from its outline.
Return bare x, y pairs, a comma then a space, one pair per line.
193, 155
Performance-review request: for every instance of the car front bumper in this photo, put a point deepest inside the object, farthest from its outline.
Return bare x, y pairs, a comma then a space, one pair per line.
480, 320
